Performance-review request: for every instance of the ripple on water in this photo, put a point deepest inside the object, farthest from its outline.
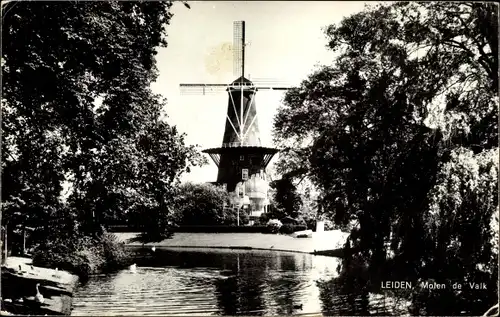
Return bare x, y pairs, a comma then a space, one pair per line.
204, 283
150, 291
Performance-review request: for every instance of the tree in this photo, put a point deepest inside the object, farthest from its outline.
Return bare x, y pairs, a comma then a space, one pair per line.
405, 116
77, 107
202, 204
287, 201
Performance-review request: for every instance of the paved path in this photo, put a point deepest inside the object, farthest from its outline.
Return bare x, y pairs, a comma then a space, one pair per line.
320, 241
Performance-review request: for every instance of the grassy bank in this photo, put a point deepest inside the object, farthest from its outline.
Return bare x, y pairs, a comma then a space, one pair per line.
215, 229
320, 241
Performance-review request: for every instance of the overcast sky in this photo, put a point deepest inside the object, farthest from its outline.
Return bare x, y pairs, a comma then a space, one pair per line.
285, 42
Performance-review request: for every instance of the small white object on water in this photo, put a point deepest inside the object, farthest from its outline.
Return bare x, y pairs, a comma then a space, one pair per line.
39, 297
8, 300
20, 300
133, 268
153, 248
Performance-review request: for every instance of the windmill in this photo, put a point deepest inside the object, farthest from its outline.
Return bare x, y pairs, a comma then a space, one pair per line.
241, 160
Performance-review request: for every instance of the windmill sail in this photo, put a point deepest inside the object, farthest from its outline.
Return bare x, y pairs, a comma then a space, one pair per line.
239, 48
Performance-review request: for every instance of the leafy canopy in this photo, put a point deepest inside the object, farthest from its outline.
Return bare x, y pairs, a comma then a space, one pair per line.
400, 136
77, 108
203, 204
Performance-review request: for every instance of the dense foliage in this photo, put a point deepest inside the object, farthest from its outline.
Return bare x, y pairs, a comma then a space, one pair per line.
84, 141
287, 201
400, 136
81, 255
203, 204
273, 226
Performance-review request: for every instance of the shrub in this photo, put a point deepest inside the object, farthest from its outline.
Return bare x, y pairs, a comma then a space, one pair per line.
263, 219
311, 224
301, 222
115, 253
89, 260
287, 228
222, 229
81, 255
231, 216
299, 228
273, 225
329, 225
202, 204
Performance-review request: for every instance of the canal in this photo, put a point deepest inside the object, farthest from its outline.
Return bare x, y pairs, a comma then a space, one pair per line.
224, 282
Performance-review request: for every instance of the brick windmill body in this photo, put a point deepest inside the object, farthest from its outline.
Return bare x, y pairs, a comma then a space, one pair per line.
241, 160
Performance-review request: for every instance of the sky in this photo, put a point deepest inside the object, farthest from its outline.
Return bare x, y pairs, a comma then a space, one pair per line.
285, 42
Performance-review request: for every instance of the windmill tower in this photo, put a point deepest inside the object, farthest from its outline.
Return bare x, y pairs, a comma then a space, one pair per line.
241, 160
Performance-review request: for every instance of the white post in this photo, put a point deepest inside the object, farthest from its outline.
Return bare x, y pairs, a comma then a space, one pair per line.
320, 226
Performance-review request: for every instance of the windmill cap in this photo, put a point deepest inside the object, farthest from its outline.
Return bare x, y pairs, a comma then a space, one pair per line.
242, 81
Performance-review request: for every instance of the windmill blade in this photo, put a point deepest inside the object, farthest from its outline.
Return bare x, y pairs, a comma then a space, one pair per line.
213, 89
199, 92
238, 48
271, 81
268, 87
202, 89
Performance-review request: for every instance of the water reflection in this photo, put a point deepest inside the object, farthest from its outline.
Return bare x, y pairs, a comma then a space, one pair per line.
222, 282
341, 297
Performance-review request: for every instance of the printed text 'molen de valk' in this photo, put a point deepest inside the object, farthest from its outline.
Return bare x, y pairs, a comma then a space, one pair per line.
431, 285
